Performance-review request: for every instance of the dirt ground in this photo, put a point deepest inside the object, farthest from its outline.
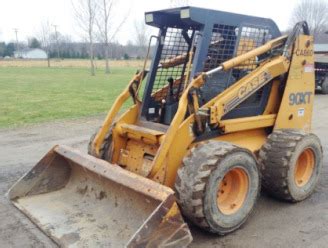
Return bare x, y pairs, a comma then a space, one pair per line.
273, 223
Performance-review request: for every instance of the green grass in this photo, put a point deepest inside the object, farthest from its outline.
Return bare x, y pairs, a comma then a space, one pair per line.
33, 95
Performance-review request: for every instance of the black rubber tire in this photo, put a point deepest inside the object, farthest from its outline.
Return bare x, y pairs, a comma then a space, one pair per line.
324, 87
197, 180
277, 160
105, 152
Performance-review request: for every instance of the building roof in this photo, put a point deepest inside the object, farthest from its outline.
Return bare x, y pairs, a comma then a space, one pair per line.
320, 48
321, 58
26, 50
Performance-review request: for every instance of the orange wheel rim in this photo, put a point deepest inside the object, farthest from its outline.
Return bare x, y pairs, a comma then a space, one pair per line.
232, 191
304, 167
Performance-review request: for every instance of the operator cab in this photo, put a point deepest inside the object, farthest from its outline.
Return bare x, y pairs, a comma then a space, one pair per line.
194, 40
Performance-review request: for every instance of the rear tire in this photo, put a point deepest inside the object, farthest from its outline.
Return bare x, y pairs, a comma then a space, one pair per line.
105, 151
290, 163
324, 87
217, 186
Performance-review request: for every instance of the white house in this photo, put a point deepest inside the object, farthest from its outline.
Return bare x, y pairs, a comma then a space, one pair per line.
34, 53
321, 53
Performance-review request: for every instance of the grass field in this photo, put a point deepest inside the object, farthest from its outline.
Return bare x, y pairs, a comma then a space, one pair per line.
32, 93
69, 63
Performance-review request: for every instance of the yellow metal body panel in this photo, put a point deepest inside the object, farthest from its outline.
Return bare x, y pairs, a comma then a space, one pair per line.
251, 139
135, 132
159, 154
274, 99
241, 124
297, 102
137, 157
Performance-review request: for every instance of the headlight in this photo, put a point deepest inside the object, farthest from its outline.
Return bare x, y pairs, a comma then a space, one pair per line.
149, 18
185, 13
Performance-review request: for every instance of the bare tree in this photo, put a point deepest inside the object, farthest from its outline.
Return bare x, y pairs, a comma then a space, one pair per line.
315, 12
45, 38
107, 27
141, 36
85, 14
179, 3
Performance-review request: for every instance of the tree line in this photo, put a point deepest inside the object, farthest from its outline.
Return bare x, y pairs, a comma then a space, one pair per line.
7, 49
67, 49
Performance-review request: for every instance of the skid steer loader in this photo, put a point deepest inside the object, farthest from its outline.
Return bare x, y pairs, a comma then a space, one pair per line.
226, 99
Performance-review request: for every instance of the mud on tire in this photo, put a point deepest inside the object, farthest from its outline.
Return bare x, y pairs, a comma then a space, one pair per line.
105, 152
290, 164
201, 179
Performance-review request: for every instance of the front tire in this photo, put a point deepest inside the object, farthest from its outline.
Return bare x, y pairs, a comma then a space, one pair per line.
105, 152
218, 186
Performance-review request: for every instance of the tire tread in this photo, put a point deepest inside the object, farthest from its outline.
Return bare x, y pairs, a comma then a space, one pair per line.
275, 161
193, 176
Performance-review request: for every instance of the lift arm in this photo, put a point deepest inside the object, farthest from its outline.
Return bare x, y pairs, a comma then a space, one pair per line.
130, 90
244, 88
230, 98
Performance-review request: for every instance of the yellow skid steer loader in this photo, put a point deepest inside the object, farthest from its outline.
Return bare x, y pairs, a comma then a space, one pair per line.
226, 99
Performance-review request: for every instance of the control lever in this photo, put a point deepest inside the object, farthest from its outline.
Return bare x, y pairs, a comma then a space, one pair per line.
170, 99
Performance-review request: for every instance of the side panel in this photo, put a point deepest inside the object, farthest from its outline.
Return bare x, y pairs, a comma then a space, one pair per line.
297, 102
252, 140
129, 117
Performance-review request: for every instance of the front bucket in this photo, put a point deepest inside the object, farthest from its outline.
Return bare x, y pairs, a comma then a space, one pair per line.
82, 201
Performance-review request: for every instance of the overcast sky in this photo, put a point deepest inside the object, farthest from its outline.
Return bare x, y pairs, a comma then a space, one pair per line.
26, 15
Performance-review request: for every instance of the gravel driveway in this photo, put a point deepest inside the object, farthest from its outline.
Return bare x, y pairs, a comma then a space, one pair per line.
273, 223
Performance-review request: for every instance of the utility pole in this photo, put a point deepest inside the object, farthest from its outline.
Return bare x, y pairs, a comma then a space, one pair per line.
56, 35
17, 46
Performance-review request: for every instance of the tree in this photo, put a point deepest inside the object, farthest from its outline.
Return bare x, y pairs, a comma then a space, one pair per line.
315, 12
45, 38
34, 43
2, 49
141, 37
65, 46
7, 49
10, 48
85, 14
107, 27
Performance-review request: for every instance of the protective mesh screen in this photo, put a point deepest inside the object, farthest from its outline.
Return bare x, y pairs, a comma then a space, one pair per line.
172, 63
222, 46
230, 41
